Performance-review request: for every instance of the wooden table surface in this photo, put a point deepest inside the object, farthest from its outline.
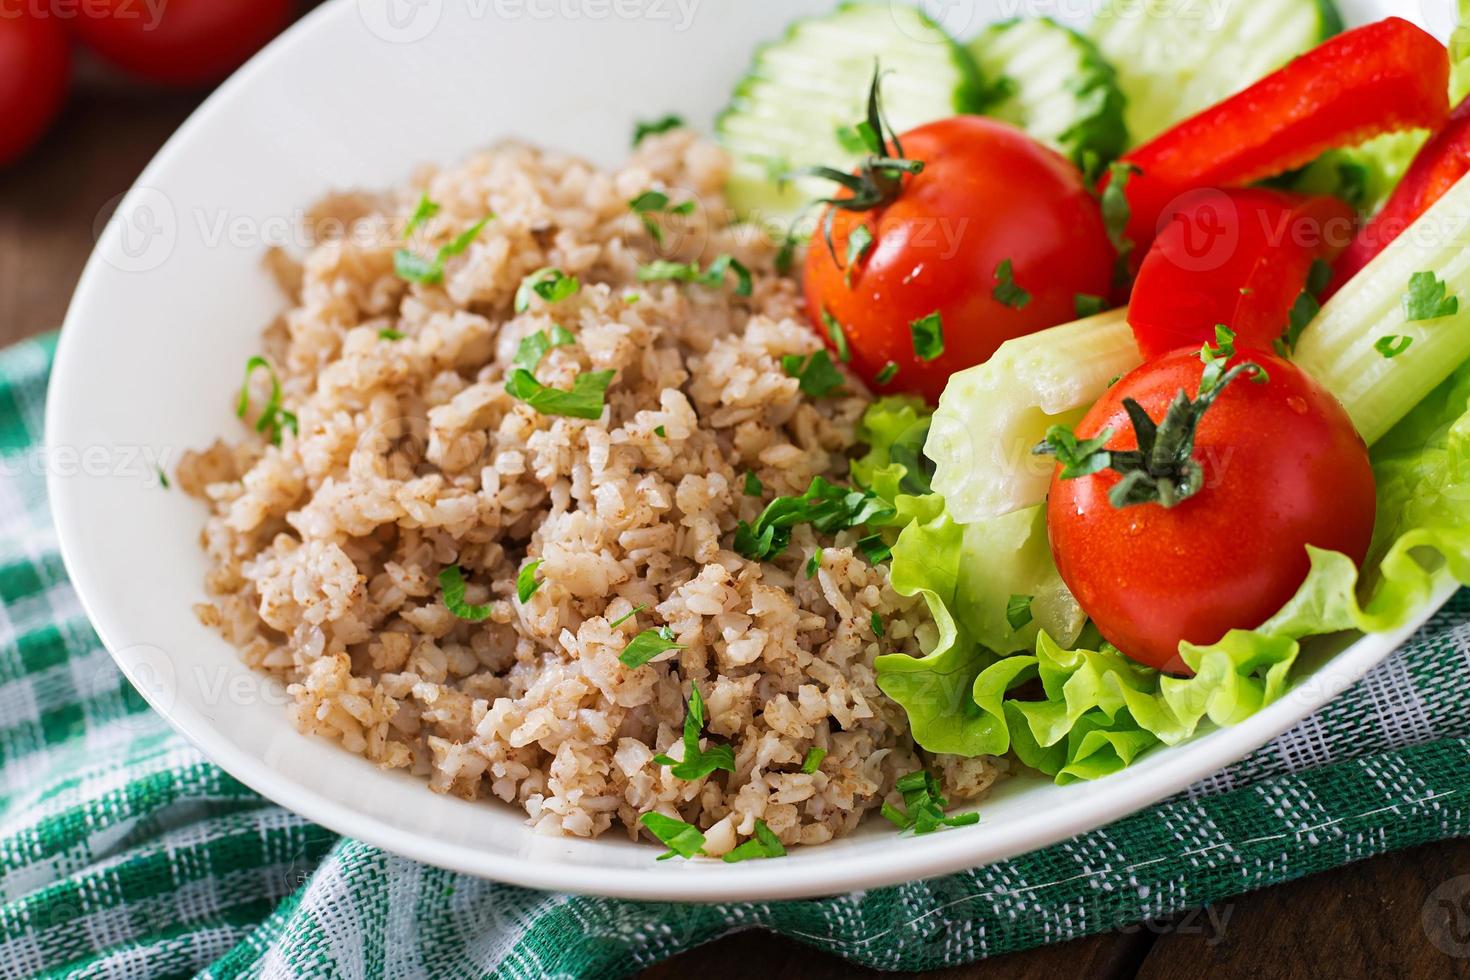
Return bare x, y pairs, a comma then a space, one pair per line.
1364, 920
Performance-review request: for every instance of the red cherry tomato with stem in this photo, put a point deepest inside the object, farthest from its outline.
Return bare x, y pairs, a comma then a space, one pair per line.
1280, 467
988, 195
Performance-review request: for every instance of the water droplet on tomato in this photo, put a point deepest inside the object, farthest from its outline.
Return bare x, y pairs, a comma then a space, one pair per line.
914, 273
1297, 404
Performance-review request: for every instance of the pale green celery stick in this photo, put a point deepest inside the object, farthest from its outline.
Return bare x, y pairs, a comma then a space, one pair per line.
992, 415
1337, 348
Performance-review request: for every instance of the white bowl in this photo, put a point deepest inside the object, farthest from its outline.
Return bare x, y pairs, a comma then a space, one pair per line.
172, 303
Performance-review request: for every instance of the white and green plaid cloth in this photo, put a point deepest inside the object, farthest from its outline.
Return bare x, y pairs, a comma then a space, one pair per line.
125, 853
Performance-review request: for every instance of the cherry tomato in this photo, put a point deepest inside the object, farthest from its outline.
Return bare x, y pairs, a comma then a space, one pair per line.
1239, 257
1282, 468
988, 194
35, 62
181, 42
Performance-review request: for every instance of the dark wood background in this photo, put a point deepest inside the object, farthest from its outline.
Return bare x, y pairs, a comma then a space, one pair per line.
1364, 920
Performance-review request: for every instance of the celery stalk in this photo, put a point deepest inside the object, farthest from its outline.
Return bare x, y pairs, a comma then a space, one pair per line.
991, 415
1337, 348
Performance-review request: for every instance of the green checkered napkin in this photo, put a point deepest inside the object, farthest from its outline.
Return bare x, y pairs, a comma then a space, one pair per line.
124, 853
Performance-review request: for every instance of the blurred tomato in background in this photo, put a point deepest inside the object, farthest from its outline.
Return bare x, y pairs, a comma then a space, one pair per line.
169, 42
35, 65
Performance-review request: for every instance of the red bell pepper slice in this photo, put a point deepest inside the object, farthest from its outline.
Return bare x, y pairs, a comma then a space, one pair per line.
1379, 78
1234, 257
1439, 165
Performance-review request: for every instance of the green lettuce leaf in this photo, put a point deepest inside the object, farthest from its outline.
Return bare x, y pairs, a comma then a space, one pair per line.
1096, 710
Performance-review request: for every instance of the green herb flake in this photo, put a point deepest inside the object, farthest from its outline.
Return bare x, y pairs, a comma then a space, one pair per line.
889, 372
415, 268
526, 581
816, 375
928, 335
551, 284
162, 477
786, 254
585, 400
1086, 305
697, 763
829, 508
627, 616
924, 806
649, 201
682, 839
1428, 298
274, 419
713, 276
875, 549
1007, 292
661, 432
388, 333
813, 760
1018, 611
1078, 458
765, 844
647, 645
631, 297
533, 347
850, 140
877, 623
425, 210
643, 129
1116, 210
452, 582
1392, 346
814, 564
753, 487
838, 336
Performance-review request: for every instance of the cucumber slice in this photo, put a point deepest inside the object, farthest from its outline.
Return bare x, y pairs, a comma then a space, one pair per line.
1177, 57
1055, 84
804, 92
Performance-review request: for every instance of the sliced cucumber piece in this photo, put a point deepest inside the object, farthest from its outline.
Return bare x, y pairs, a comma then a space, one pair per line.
1177, 57
1055, 84
798, 103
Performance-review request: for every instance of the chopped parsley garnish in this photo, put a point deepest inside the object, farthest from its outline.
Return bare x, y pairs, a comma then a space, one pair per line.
827, 507
838, 337
874, 549
697, 762
1306, 307
661, 432
1393, 345
649, 203
162, 477
859, 244
643, 129
682, 839
585, 401
1117, 212
850, 139
877, 624
813, 760
713, 277
425, 210
549, 283
753, 487
627, 616
923, 805
814, 564
1087, 305
786, 254
1078, 459
526, 581
765, 844
415, 268
534, 346
647, 645
388, 333
631, 297
1007, 292
816, 375
1427, 298
273, 418
928, 334
453, 584
889, 372
1018, 611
